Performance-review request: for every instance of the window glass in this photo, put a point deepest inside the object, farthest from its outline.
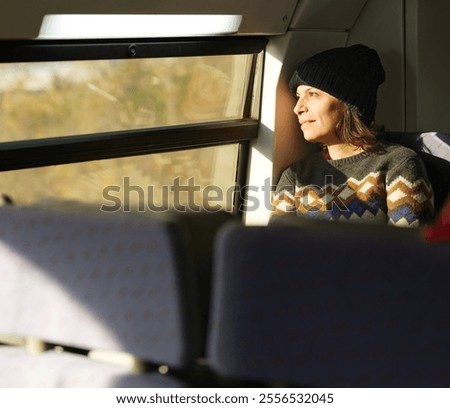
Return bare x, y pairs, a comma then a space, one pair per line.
188, 180
48, 99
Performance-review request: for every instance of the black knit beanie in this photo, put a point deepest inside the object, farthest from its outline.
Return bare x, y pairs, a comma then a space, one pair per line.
351, 74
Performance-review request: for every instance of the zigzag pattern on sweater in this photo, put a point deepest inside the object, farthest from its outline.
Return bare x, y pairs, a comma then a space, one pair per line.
355, 199
327, 197
404, 196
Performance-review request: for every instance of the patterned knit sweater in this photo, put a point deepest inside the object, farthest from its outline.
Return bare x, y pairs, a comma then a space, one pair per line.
389, 186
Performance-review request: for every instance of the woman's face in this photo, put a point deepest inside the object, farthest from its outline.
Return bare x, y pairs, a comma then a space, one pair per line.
318, 114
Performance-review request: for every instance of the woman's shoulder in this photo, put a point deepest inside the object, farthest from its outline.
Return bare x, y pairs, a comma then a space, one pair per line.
395, 153
398, 160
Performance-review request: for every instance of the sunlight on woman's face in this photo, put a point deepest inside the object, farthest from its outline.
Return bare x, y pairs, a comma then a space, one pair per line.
318, 114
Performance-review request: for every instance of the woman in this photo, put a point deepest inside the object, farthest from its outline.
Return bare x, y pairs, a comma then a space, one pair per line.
355, 177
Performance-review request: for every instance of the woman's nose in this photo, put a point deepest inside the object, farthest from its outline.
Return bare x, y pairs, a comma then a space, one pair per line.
299, 106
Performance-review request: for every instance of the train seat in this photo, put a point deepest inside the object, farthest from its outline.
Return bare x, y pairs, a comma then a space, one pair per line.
315, 304
115, 286
52, 369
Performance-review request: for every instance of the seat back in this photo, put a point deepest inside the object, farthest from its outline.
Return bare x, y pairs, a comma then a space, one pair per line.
99, 281
331, 306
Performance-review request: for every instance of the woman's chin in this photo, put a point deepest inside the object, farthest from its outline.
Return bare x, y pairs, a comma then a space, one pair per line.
310, 137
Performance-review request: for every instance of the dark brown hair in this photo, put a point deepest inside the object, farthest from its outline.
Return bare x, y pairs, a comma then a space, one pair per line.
352, 130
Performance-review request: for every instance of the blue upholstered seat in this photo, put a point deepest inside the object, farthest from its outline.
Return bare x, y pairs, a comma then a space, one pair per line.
56, 370
97, 281
331, 305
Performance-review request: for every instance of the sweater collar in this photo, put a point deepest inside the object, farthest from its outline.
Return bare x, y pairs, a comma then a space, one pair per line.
346, 160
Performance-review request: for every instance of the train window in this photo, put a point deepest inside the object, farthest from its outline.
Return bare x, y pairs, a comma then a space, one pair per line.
186, 180
129, 126
49, 99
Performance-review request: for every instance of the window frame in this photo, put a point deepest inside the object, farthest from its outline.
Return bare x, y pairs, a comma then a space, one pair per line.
97, 146
106, 145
